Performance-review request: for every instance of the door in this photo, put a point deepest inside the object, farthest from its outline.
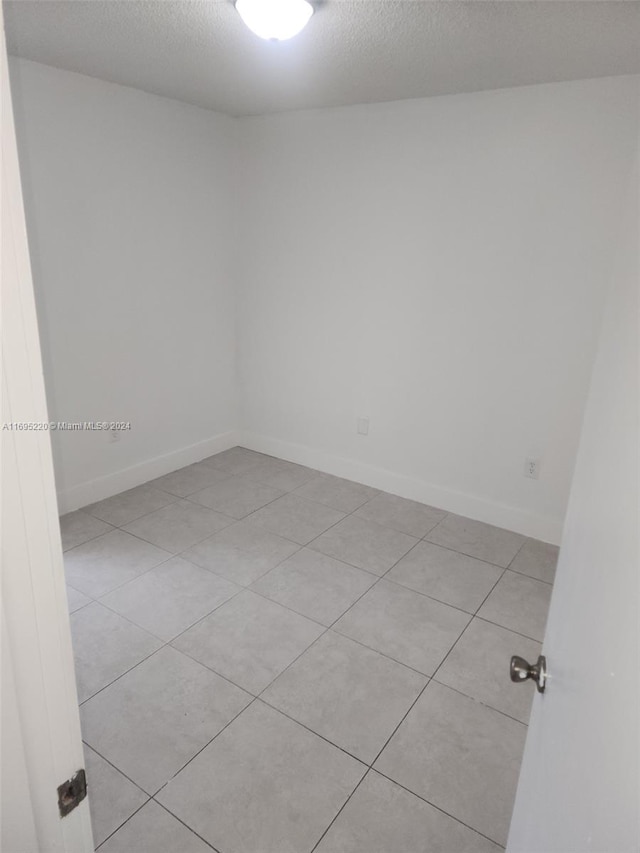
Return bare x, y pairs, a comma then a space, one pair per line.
579, 785
41, 744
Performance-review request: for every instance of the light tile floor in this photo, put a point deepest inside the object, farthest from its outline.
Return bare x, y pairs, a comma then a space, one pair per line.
274, 660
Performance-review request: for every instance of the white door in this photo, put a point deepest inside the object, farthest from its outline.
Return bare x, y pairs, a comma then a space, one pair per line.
579, 786
41, 745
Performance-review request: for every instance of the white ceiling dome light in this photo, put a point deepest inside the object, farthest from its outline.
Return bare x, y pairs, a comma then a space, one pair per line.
275, 19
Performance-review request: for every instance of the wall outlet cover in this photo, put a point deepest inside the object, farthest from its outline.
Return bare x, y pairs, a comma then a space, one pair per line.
532, 467
363, 426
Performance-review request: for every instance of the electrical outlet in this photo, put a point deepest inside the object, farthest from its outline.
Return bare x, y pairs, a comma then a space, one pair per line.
532, 467
363, 426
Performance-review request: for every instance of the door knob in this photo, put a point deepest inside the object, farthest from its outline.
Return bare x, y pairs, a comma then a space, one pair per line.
522, 670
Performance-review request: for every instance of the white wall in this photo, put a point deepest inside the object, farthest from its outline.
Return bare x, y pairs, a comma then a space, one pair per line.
438, 266
130, 210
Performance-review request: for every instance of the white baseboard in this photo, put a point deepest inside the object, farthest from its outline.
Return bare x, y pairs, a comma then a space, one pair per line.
471, 506
119, 481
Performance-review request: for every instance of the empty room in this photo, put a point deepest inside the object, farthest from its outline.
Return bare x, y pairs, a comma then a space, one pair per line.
320, 452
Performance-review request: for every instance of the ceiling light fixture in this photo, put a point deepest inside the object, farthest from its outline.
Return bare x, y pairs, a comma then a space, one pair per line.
275, 19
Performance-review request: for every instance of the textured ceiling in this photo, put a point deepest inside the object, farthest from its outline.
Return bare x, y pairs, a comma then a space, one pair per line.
199, 51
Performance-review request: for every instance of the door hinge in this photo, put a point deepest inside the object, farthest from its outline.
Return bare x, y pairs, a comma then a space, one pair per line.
72, 792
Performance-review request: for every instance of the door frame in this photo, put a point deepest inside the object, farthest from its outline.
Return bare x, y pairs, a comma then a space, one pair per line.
41, 739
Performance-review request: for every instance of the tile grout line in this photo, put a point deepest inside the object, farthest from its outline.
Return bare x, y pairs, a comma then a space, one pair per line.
431, 678
208, 743
175, 499
481, 702
164, 644
340, 810
91, 538
104, 840
313, 732
111, 764
186, 825
439, 808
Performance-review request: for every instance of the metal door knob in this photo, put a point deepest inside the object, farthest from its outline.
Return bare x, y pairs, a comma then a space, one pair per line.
522, 670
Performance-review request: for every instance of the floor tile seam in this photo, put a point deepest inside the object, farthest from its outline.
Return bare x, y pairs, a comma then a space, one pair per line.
264, 483
522, 575
462, 553
470, 613
235, 594
286, 606
429, 532
470, 622
248, 518
244, 517
482, 603
459, 637
192, 625
82, 606
122, 674
390, 526
322, 554
183, 556
175, 498
135, 578
439, 808
476, 615
111, 834
190, 828
453, 550
378, 652
123, 529
354, 513
175, 817
165, 644
332, 506
312, 731
214, 671
373, 585
531, 577
508, 628
340, 810
524, 542
199, 751
351, 565
313, 539
480, 702
400, 722
232, 521
379, 578
210, 460
130, 621
115, 767
289, 665
91, 538
473, 556
79, 591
